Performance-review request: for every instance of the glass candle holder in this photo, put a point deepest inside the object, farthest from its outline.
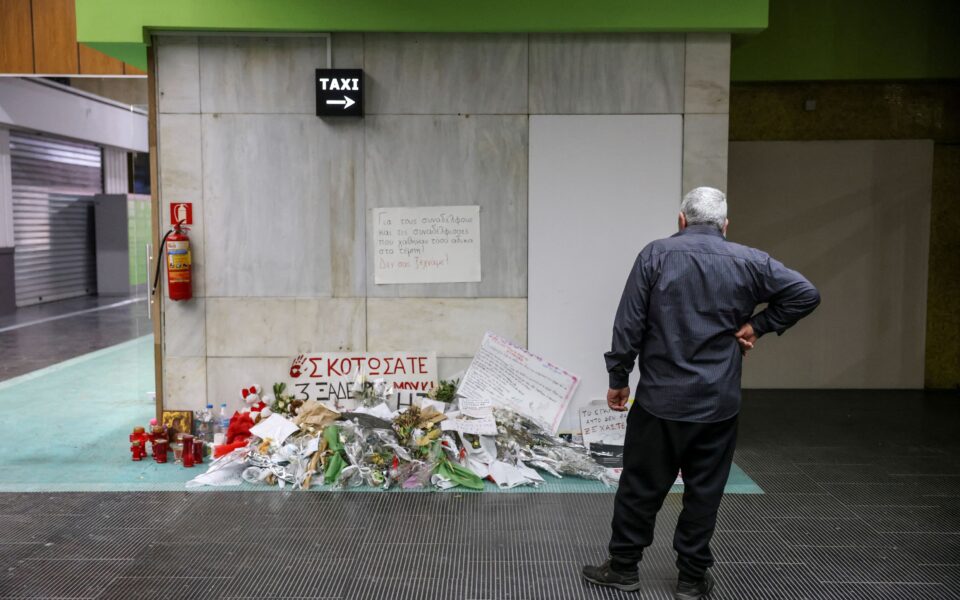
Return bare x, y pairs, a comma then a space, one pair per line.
177, 448
198, 451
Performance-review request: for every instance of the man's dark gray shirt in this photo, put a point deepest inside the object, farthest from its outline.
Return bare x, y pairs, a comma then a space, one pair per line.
685, 298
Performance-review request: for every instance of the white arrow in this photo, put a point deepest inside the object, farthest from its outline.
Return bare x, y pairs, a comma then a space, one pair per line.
347, 102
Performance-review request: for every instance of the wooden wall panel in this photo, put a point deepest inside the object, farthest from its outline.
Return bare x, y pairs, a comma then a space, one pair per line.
16, 37
94, 62
132, 70
55, 37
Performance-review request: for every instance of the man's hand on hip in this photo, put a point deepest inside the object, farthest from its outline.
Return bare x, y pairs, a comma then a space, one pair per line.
617, 399
746, 338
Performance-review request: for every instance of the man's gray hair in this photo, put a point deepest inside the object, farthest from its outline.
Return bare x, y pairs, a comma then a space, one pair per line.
705, 205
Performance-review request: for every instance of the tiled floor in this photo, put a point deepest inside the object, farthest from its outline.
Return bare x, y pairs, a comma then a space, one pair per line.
863, 491
27, 348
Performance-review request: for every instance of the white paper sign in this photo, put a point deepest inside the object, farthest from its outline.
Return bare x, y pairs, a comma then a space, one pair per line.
485, 426
600, 425
505, 374
432, 244
274, 428
330, 376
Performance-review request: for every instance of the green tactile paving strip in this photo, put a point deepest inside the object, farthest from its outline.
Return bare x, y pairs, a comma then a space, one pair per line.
66, 429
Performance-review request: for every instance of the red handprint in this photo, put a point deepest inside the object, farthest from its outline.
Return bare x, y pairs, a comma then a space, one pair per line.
295, 368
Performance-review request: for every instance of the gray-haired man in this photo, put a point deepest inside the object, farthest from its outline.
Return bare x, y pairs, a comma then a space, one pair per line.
687, 312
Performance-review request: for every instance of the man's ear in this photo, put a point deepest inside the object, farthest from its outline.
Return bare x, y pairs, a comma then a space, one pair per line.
726, 223
681, 222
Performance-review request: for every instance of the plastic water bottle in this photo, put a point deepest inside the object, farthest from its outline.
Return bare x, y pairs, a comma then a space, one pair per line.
224, 422
206, 424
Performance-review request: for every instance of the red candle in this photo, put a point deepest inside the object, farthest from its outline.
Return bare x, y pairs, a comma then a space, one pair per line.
135, 449
160, 448
187, 456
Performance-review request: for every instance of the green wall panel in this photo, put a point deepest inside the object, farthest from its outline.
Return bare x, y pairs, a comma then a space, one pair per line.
119, 27
809, 40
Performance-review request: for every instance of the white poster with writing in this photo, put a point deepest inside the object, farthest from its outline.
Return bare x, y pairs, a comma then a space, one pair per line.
502, 373
602, 425
330, 376
426, 244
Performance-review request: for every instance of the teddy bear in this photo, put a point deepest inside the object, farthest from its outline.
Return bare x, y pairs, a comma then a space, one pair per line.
255, 405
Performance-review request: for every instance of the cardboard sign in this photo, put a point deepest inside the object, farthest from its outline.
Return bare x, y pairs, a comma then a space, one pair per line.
601, 425
438, 244
330, 376
505, 374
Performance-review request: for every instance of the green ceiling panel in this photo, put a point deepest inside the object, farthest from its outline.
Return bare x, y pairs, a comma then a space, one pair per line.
121, 28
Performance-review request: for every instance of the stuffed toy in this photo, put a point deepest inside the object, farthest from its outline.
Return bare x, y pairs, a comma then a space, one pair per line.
256, 406
238, 434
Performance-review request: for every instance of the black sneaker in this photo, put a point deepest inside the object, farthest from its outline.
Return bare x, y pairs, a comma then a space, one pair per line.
694, 590
606, 575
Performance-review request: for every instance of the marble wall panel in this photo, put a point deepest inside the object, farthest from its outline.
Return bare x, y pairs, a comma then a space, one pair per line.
453, 327
178, 74
227, 376
184, 327
181, 180
253, 74
184, 382
271, 327
347, 50
455, 160
707, 73
854, 218
271, 183
453, 73
452, 368
609, 73
705, 151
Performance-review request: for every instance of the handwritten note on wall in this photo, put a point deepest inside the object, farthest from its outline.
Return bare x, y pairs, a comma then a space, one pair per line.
433, 244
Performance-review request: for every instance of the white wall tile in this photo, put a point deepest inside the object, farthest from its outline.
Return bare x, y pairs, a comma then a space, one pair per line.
452, 368
184, 327
184, 382
227, 376
269, 184
446, 73
452, 160
608, 73
273, 327
452, 327
251, 326
707, 73
331, 324
181, 180
252, 74
178, 74
705, 151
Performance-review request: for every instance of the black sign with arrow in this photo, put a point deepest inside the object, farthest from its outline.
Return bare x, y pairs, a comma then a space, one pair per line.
339, 92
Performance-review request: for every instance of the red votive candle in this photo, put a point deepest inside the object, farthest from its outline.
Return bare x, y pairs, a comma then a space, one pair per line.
160, 447
187, 455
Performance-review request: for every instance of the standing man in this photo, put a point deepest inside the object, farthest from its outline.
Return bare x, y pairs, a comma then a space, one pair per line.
687, 312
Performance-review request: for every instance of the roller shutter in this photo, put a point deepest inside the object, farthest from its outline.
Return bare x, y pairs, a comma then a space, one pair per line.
53, 180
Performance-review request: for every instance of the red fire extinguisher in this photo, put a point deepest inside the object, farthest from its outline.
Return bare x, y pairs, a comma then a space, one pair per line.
176, 246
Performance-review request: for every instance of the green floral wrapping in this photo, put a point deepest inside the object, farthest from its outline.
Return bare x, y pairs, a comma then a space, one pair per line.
337, 461
459, 475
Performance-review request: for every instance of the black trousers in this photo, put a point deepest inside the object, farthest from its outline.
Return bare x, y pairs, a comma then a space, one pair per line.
654, 450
